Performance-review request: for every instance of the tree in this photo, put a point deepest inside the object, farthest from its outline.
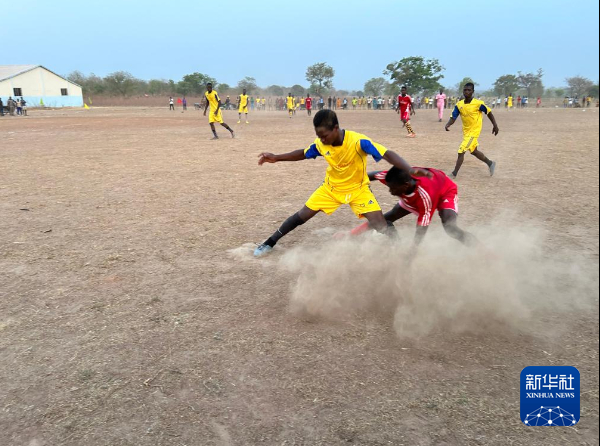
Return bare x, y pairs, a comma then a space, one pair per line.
275, 90
416, 73
249, 83
532, 82
158, 87
579, 85
506, 84
593, 91
321, 76
461, 84
297, 90
120, 83
391, 89
375, 86
196, 82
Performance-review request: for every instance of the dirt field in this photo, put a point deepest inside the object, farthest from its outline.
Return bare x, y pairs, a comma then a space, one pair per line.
132, 313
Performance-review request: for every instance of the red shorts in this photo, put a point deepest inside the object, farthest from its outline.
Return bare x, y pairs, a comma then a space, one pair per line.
449, 199
405, 115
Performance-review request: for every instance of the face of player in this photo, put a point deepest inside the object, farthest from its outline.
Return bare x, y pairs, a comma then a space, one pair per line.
468, 92
398, 189
403, 91
244, 91
209, 88
328, 136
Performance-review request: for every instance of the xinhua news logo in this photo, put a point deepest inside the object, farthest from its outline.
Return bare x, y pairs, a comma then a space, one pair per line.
550, 396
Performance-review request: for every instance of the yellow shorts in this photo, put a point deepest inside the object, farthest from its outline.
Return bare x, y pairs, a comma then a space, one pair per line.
361, 201
215, 118
243, 110
469, 144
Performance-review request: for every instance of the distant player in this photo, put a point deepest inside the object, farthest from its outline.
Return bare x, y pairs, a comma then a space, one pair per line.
440, 100
406, 109
422, 197
291, 104
308, 103
243, 106
346, 181
471, 111
212, 99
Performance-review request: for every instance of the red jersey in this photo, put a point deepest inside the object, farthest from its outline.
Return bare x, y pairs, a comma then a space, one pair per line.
404, 103
438, 192
308, 103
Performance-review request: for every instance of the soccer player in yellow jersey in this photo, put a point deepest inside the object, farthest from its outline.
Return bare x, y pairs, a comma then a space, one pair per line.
346, 180
290, 100
471, 111
212, 99
243, 106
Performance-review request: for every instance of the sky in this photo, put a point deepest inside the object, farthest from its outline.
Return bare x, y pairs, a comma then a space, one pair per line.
275, 41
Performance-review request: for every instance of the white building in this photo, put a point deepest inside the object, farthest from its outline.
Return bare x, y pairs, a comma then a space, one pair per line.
39, 86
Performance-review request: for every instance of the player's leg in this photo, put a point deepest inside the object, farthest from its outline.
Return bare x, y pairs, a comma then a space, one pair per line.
409, 128
291, 223
459, 163
247, 122
240, 116
228, 128
450, 222
481, 157
214, 130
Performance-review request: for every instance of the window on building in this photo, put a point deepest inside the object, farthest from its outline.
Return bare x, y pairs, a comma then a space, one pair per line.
17, 92
64, 92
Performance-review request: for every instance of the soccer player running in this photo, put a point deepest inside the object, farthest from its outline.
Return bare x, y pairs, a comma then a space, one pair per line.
308, 104
346, 180
422, 197
291, 105
406, 109
471, 112
440, 100
212, 99
243, 106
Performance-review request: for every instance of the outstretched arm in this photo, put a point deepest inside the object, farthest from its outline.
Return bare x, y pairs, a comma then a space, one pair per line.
265, 157
495, 128
452, 120
205, 107
396, 160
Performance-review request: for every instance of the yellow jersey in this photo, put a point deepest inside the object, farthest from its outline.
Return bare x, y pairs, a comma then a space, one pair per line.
213, 99
243, 100
347, 169
290, 102
471, 115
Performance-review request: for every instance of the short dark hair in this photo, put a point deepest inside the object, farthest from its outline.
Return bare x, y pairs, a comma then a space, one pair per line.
470, 84
325, 118
209, 83
397, 176
403, 87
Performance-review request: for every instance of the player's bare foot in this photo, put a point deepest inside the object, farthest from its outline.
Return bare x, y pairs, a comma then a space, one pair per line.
214, 137
232, 134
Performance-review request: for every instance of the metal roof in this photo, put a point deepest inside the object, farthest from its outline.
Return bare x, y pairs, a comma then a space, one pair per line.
8, 71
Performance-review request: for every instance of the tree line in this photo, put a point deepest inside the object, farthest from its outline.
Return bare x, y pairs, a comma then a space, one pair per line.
421, 76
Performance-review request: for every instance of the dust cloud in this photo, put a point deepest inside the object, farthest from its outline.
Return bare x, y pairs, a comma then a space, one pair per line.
508, 283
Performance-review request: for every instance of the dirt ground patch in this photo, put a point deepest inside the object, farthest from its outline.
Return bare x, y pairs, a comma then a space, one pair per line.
131, 312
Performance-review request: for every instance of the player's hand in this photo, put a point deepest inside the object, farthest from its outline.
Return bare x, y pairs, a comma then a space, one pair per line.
266, 157
216, 112
204, 112
412, 112
495, 130
421, 173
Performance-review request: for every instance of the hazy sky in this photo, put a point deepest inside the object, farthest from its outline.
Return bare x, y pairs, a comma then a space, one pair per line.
274, 41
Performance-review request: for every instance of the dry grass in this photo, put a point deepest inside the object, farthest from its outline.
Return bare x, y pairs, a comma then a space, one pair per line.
126, 320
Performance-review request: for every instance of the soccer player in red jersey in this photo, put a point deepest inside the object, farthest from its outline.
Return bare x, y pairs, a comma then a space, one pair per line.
406, 109
308, 104
422, 196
